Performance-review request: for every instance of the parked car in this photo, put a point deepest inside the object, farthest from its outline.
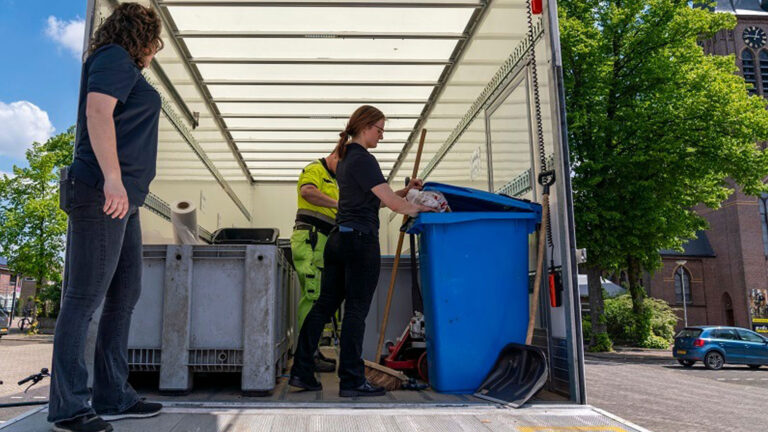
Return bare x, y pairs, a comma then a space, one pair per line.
3, 323
718, 345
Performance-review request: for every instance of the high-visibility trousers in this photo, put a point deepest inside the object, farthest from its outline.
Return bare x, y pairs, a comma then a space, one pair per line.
307, 246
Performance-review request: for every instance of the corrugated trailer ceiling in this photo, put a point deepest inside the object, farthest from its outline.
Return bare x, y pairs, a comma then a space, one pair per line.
271, 83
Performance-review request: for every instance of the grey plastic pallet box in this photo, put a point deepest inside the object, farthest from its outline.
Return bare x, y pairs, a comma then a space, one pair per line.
217, 308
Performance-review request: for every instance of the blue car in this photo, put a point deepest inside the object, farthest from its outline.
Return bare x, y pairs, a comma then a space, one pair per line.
3, 323
718, 345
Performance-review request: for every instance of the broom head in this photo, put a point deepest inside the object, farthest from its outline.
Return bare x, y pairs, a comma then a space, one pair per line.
383, 376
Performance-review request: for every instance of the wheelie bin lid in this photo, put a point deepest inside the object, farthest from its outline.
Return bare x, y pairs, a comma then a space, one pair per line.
463, 199
469, 204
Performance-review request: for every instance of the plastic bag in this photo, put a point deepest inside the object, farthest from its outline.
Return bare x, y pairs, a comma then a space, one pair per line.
431, 199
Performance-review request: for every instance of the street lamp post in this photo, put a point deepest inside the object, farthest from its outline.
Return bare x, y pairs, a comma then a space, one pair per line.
682, 289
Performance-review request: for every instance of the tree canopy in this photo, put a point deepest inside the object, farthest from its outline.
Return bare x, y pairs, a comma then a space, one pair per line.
32, 227
656, 126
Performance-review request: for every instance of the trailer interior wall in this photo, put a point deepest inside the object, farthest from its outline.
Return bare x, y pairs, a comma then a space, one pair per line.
482, 134
214, 207
275, 205
194, 162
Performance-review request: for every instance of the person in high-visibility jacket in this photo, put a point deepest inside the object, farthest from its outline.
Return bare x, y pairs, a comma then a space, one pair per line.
318, 195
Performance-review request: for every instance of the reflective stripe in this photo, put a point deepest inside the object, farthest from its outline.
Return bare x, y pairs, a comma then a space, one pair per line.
317, 215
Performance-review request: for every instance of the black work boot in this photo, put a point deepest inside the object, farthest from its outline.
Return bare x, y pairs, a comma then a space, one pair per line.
324, 366
364, 389
310, 384
319, 354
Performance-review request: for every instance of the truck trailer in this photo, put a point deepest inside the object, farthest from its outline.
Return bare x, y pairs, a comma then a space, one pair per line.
251, 92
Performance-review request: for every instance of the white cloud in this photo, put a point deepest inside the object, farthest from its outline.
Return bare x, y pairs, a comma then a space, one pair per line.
6, 173
68, 34
22, 123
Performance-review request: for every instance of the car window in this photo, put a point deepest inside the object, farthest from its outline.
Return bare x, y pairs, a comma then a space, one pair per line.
727, 334
689, 333
750, 336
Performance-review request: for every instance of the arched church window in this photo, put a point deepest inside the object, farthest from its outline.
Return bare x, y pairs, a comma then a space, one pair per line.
748, 69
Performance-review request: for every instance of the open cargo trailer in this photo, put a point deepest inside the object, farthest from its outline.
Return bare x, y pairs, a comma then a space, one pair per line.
254, 90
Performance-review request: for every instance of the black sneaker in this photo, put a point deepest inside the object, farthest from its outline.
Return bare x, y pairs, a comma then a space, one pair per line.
86, 423
306, 384
140, 409
365, 389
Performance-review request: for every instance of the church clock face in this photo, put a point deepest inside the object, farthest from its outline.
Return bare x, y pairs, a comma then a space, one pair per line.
754, 37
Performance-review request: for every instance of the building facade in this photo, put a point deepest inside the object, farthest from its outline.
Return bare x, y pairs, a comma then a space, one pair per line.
9, 284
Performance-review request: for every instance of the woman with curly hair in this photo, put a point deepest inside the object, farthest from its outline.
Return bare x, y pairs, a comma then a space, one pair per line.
115, 158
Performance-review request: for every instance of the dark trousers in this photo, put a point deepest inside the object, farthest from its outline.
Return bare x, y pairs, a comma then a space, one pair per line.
352, 261
103, 262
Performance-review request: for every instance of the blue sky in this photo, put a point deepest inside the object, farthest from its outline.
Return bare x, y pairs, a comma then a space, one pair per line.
40, 41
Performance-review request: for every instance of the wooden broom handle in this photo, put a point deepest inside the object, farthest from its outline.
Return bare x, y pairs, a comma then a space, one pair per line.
385, 319
534, 304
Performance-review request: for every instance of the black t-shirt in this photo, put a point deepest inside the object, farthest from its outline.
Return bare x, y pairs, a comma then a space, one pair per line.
111, 70
356, 174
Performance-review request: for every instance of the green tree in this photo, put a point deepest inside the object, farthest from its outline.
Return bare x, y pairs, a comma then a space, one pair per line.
656, 127
32, 227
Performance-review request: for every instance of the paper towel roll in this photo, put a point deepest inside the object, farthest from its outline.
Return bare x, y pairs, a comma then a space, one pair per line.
184, 221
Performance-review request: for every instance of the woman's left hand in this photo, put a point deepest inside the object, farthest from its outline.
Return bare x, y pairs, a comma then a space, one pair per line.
415, 183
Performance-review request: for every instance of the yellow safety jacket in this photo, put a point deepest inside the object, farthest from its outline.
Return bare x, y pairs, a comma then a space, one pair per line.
318, 175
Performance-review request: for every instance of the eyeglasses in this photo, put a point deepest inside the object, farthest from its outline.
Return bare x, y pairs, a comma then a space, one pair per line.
158, 45
380, 129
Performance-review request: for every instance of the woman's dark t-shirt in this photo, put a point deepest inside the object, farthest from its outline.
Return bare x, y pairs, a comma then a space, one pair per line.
111, 70
356, 174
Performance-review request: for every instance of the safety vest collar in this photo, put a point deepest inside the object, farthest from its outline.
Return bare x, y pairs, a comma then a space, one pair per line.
325, 165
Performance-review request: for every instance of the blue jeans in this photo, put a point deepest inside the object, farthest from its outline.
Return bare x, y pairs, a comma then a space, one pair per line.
352, 262
103, 262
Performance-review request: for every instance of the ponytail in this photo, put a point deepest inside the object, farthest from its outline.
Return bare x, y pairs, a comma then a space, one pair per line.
363, 117
341, 146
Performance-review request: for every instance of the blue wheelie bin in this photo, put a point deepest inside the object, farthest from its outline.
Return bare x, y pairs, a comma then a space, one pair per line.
474, 279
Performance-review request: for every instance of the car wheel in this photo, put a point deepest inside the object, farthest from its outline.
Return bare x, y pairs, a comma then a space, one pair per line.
714, 360
754, 366
686, 363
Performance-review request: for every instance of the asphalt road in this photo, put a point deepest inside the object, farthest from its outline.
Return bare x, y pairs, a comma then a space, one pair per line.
657, 393
21, 356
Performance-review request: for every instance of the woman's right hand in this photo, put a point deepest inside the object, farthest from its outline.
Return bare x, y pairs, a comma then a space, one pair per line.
418, 208
116, 204
397, 203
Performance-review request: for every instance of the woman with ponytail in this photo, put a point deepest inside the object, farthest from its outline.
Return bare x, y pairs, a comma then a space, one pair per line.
352, 255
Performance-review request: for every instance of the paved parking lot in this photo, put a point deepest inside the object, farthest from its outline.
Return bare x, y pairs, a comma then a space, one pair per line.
21, 356
655, 392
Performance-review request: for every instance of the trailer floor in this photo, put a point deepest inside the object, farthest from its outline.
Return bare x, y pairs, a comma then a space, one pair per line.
217, 406
221, 417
